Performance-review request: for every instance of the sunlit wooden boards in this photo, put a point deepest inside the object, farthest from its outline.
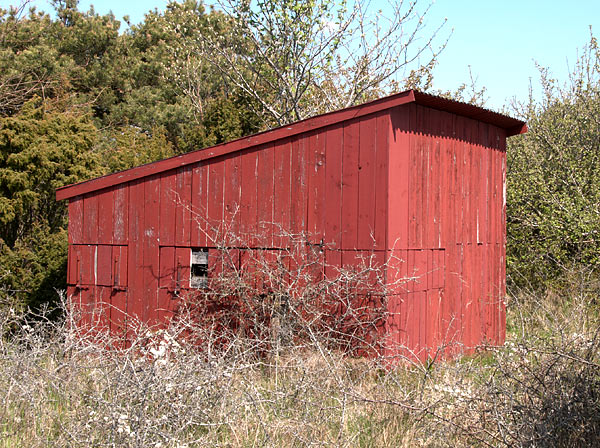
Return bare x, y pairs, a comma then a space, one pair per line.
413, 183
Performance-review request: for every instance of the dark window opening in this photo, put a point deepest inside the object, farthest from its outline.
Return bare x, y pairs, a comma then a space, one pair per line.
199, 268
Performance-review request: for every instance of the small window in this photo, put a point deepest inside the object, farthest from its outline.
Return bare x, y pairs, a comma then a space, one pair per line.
199, 271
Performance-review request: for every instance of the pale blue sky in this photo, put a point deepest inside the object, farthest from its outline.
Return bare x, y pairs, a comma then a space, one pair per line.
501, 40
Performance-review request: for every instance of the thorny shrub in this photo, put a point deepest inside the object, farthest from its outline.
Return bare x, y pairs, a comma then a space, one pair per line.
184, 385
268, 300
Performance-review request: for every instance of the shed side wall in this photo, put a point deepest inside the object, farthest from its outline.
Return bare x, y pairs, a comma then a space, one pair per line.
327, 186
446, 231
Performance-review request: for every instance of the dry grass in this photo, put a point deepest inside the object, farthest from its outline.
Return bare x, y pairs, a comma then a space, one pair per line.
181, 387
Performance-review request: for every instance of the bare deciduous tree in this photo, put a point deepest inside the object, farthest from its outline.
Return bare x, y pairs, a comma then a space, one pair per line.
295, 59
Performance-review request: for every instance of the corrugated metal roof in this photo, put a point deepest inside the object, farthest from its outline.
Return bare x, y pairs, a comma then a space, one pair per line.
511, 125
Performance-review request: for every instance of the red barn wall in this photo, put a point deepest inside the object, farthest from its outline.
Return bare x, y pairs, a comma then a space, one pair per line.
130, 244
446, 231
416, 187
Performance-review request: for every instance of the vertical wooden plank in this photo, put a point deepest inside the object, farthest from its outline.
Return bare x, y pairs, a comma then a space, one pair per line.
183, 209
469, 187
216, 180
475, 184
399, 155
474, 159
398, 306
333, 187
495, 286
168, 207
249, 198
453, 298
118, 299
333, 263
415, 207
452, 295
499, 198
120, 214
366, 182
350, 184
480, 184
487, 174
103, 309
487, 261
467, 319
136, 250
118, 314
475, 281
411, 270
72, 266
182, 264
282, 193
413, 309
104, 265
167, 305
87, 308
150, 243
231, 209
421, 269
76, 220
429, 284
88, 264
445, 169
478, 291
433, 319
167, 273
90, 219
455, 207
433, 183
299, 185
492, 197
429, 323
315, 218
421, 347
199, 205
404, 310
265, 196
381, 179
105, 216
119, 266
434, 269
437, 182
425, 217
447, 311
466, 184
461, 190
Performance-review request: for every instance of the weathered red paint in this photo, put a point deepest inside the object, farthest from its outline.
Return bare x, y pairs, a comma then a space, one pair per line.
413, 180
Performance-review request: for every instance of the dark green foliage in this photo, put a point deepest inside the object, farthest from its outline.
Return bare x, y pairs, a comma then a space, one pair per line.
40, 151
78, 99
129, 146
554, 181
225, 120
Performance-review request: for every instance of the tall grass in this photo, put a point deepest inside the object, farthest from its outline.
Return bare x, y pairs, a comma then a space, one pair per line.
59, 387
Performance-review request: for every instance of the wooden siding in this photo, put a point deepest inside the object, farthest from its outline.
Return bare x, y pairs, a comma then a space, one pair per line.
325, 185
445, 199
420, 189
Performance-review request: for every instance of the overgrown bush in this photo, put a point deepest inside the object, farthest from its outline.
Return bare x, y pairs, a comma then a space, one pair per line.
42, 147
553, 204
65, 385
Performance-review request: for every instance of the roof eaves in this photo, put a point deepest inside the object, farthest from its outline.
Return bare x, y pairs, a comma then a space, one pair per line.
512, 126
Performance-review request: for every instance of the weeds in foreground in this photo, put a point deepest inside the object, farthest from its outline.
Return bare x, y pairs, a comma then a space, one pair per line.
62, 388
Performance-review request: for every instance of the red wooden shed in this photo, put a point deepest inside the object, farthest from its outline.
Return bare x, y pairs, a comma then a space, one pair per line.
415, 180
